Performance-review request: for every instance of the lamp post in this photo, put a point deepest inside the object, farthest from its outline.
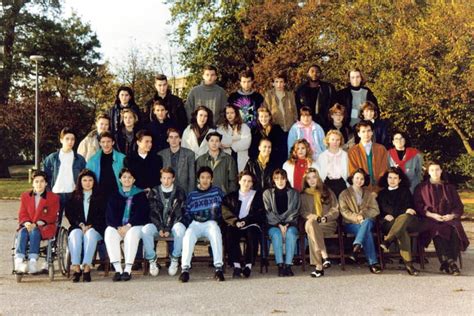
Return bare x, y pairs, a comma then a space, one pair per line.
36, 59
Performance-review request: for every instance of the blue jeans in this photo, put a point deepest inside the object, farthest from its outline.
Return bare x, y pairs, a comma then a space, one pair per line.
77, 240
149, 232
290, 243
364, 237
34, 237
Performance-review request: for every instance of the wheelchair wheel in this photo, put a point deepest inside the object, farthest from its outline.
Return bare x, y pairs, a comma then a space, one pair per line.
63, 251
13, 253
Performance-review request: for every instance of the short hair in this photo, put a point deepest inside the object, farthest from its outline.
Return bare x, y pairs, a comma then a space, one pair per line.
204, 169
247, 74
160, 77
167, 170
158, 103
126, 170
404, 182
246, 172
39, 173
102, 116
363, 124
209, 68
315, 66
65, 131
305, 109
142, 133
333, 132
368, 105
211, 134
280, 172
280, 75
129, 111
106, 134
337, 108
263, 109
172, 130
362, 76
361, 171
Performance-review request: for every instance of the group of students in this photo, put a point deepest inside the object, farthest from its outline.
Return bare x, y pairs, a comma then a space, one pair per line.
271, 163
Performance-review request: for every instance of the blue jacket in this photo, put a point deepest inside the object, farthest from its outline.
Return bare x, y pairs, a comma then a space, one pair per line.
51, 167
94, 164
317, 133
139, 213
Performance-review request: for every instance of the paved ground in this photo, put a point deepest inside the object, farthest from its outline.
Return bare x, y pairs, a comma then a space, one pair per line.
354, 291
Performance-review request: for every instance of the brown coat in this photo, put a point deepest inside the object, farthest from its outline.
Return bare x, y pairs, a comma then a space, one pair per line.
271, 103
358, 159
349, 208
330, 207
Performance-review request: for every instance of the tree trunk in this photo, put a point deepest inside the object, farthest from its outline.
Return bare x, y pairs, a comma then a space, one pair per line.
4, 172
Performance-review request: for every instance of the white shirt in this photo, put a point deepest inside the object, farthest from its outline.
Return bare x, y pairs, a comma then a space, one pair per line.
65, 180
246, 199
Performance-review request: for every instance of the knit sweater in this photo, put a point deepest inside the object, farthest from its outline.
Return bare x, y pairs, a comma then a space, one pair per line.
211, 96
204, 205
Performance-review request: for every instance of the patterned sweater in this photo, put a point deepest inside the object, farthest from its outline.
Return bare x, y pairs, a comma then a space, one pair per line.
203, 206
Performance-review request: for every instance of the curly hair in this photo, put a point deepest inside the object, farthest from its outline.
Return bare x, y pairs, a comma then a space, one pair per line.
294, 157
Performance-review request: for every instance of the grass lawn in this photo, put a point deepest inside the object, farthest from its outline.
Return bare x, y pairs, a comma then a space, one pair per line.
12, 188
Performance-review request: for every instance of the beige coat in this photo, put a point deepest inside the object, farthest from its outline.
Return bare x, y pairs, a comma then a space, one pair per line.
289, 105
369, 207
89, 146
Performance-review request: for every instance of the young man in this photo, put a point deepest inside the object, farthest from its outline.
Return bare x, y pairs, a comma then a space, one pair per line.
173, 103
160, 125
222, 165
247, 99
203, 210
208, 94
90, 144
144, 165
371, 157
63, 167
318, 95
181, 160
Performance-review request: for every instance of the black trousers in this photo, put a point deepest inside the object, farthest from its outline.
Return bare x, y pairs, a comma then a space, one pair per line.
447, 250
252, 236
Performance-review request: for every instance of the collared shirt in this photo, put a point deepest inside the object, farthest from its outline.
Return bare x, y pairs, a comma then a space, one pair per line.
175, 159
368, 148
246, 199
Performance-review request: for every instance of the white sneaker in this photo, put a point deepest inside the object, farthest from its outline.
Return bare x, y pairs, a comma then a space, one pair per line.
173, 268
20, 265
32, 268
154, 269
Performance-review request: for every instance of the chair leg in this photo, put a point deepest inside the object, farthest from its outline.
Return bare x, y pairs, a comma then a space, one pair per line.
341, 252
460, 260
421, 251
303, 253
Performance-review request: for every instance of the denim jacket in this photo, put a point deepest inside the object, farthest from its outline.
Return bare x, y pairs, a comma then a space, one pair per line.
51, 167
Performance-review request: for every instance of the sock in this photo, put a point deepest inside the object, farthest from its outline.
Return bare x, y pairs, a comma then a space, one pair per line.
128, 268
236, 265
249, 265
117, 267
33, 260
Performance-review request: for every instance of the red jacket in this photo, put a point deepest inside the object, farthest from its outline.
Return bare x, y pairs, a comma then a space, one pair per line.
47, 211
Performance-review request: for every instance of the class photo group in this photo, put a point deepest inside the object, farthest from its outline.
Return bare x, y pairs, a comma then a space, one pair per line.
262, 171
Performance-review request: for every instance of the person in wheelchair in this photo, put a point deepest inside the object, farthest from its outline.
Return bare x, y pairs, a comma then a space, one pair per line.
37, 221
85, 212
127, 212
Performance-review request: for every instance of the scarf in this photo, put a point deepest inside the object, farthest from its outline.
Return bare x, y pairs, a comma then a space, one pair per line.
200, 133
263, 161
410, 153
318, 206
128, 203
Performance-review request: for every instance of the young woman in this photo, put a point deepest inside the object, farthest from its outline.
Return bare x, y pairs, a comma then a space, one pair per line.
439, 203
369, 112
159, 126
124, 99
397, 214
282, 204
127, 212
125, 138
266, 129
359, 209
194, 136
337, 121
406, 158
37, 218
333, 163
85, 212
244, 214
300, 160
320, 210
236, 136
262, 167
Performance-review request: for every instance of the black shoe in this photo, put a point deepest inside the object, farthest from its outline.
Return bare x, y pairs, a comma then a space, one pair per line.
219, 275
126, 276
444, 267
246, 272
101, 267
411, 269
454, 269
237, 273
288, 271
317, 273
356, 249
375, 268
86, 277
117, 277
137, 266
326, 263
184, 276
385, 246
281, 270
76, 277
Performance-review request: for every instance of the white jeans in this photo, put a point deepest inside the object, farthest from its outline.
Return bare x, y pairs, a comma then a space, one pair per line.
130, 243
196, 230
149, 232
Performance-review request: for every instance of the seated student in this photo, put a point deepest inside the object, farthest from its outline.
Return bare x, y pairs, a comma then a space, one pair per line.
90, 144
127, 212
359, 210
337, 121
320, 210
266, 129
194, 136
125, 140
203, 211
244, 214
406, 158
333, 163
85, 212
167, 201
397, 215
223, 167
159, 126
438, 202
282, 204
144, 164
369, 112
181, 160
236, 136
262, 167
309, 130
37, 218
299, 161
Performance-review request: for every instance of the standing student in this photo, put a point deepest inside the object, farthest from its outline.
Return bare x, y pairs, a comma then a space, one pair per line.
298, 162
337, 121
246, 99
281, 103
369, 112
207, 94
159, 126
194, 136
37, 218
124, 99
236, 136
90, 144
181, 160
125, 137
282, 204
262, 167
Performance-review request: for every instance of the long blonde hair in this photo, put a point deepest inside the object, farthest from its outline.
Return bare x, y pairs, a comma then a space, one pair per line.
294, 157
